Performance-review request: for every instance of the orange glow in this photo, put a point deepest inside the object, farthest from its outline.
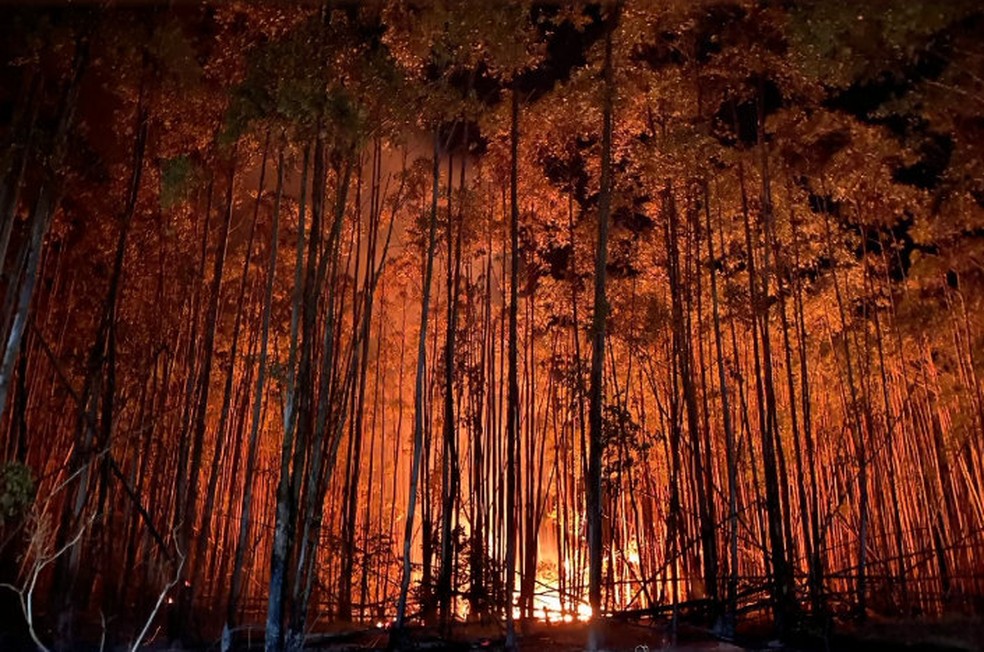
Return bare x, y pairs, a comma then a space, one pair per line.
363, 307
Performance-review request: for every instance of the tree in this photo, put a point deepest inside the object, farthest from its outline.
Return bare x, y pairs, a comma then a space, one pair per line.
598, 325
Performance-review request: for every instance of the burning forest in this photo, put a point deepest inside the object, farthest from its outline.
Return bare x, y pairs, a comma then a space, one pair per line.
389, 323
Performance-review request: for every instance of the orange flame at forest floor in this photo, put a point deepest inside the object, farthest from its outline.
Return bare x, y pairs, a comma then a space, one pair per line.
548, 608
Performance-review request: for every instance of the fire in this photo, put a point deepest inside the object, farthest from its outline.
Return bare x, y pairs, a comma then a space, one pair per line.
548, 608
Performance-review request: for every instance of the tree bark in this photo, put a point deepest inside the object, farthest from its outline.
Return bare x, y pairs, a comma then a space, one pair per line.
418, 420
598, 329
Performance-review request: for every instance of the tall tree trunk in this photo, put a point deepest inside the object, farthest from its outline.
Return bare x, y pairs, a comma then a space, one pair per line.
598, 328
418, 417
451, 481
782, 580
198, 569
350, 493
187, 519
330, 417
816, 572
685, 362
729, 435
285, 506
512, 398
69, 589
859, 436
246, 505
44, 208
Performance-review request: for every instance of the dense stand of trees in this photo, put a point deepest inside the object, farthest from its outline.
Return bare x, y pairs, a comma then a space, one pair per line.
399, 314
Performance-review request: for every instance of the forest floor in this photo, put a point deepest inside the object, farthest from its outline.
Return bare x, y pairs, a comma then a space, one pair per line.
876, 635
963, 635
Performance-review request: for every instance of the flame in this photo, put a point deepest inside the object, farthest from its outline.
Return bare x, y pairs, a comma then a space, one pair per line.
548, 608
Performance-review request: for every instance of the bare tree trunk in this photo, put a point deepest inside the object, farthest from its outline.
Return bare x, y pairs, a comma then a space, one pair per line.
512, 399
326, 433
41, 214
70, 588
684, 354
418, 421
245, 511
285, 507
187, 515
350, 491
859, 438
729, 435
198, 559
452, 481
782, 580
816, 572
598, 328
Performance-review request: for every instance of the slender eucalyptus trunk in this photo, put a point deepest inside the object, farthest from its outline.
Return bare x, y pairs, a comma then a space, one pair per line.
598, 329
285, 504
418, 421
729, 435
246, 505
512, 399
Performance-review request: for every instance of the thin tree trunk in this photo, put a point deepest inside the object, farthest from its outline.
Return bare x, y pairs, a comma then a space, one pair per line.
452, 481
245, 510
418, 422
283, 523
188, 511
598, 329
729, 435
198, 570
512, 399
44, 208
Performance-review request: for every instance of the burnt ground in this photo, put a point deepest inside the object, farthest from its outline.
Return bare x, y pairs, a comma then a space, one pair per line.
965, 634
959, 635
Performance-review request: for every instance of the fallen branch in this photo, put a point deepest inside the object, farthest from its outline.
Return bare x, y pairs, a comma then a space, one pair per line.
25, 594
160, 598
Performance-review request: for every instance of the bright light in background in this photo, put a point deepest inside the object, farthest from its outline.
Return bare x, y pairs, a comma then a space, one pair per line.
547, 608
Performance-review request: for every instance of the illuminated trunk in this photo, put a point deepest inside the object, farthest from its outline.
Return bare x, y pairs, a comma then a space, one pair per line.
45, 205
360, 349
598, 329
329, 419
285, 501
891, 452
286, 564
350, 491
371, 555
805, 516
450, 480
709, 523
418, 419
816, 571
731, 452
477, 546
246, 505
398, 432
685, 363
188, 508
512, 401
782, 579
853, 408
221, 435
